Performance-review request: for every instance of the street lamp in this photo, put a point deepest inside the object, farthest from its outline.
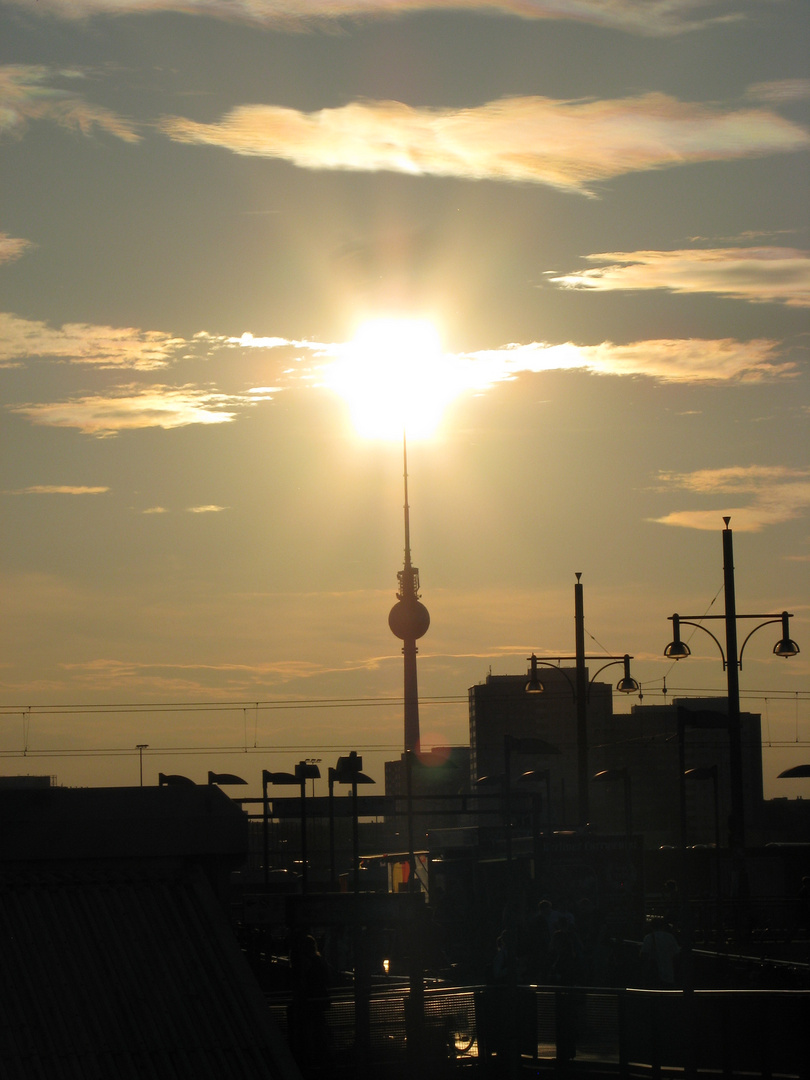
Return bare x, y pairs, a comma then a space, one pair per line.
174, 780
305, 770
622, 774
268, 777
626, 685
347, 771
732, 663
794, 772
140, 747
224, 778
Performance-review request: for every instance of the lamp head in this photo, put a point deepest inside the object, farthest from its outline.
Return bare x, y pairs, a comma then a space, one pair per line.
677, 649
627, 684
786, 647
534, 686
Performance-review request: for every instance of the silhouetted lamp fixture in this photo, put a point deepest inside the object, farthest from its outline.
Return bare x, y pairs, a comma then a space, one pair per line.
174, 780
732, 665
794, 772
224, 778
270, 778
622, 774
785, 646
677, 649
626, 685
347, 771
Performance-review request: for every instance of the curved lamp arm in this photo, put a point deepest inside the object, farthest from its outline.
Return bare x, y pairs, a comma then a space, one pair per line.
768, 622
626, 685
677, 649
534, 686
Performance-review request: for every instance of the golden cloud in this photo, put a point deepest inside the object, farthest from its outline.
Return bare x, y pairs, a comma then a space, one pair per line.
82, 343
777, 494
756, 274
658, 18
12, 248
134, 407
25, 96
566, 144
684, 360
59, 489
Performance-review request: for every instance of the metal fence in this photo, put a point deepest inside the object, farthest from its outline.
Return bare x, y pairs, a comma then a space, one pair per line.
491, 1031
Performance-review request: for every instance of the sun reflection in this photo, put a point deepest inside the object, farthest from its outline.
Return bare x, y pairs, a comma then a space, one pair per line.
394, 378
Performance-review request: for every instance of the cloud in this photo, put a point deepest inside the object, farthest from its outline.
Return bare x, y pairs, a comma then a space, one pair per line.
12, 248
133, 407
684, 360
757, 274
566, 144
776, 494
780, 91
211, 509
58, 489
82, 343
654, 18
25, 96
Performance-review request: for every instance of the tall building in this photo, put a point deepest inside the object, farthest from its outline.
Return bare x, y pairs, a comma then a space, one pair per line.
656, 744
409, 620
501, 707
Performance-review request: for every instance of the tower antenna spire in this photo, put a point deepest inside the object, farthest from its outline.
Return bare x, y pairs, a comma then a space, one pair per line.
409, 620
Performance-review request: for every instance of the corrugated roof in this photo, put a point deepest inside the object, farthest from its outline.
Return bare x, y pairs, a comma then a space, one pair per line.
126, 969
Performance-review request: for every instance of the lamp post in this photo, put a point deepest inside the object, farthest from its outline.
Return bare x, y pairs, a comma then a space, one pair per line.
626, 685
268, 777
305, 770
348, 771
140, 747
622, 774
732, 663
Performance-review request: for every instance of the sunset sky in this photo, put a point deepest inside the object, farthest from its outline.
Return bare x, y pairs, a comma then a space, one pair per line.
572, 233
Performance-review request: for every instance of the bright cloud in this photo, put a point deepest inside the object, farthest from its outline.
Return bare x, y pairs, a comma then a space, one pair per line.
684, 360
59, 489
657, 18
81, 343
25, 95
12, 248
776, 494
133, 407
756, 274
210, 509
567, 144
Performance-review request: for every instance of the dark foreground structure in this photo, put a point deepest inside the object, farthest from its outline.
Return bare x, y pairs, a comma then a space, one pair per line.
116, 956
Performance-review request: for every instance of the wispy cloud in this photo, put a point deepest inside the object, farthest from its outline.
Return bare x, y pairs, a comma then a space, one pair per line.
655, 18
757, 274
684, 360
780, 91
211, 509
566, 144
12, 247
25, 95
58, 489
82, 343
134, 407
775, 494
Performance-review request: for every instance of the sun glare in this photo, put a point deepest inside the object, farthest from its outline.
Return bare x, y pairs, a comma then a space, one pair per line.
394, 378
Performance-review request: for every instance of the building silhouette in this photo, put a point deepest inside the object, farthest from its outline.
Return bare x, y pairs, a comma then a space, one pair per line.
501, 707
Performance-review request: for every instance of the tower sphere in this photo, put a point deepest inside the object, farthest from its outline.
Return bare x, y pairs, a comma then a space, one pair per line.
409, 619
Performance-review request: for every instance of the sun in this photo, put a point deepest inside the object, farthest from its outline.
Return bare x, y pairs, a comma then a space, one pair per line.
394, 378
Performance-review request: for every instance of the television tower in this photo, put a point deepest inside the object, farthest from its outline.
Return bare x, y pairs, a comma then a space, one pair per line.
409, 620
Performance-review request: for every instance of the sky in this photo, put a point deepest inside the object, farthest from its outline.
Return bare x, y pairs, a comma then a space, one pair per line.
236, 236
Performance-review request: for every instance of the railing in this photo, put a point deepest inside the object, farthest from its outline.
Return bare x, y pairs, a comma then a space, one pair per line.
625, 1033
